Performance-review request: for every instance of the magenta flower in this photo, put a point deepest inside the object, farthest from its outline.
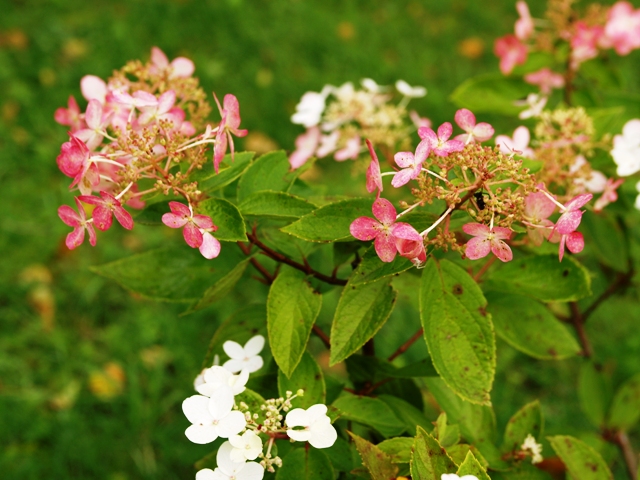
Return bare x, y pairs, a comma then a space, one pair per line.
75, 162
487, 240
69, 116
545, 79
182, 216
383, 230
107, 206
79, 223
410, 164
228, 125
480, 132
440, 143
574, 242
524, 25
511, 52
572, 215
374, 178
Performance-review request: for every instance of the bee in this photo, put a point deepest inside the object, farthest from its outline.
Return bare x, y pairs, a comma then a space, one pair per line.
479, 196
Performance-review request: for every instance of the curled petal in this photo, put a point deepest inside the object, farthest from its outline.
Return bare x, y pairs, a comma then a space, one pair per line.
75, 238
405, 231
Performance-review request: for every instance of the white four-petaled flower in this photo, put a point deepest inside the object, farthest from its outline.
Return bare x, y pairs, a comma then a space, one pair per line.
244, 357
317, 428
230, 470
212, 417
245, 447
216, 377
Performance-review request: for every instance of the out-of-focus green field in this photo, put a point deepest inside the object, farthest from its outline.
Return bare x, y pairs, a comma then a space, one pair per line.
91, 378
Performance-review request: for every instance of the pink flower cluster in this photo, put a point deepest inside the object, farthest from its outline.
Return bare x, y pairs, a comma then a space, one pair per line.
139, 130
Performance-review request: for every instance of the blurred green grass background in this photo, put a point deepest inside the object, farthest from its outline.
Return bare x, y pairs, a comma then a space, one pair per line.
91, 378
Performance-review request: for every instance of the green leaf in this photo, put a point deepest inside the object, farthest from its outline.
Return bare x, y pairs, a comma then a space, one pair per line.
625, 408
491, 93
253, 400
458, 330
592, 393
305, 464
152, 213
448, 435
526, 421
271, 172
371, 268
343, 455
209, 181
471, 466
582, 461
459, 452
542, 277
371, 412
398, 448
221, 288
226, 217
529, 326
331, 222
407, 413
607, 240
361, 312
429, 461
276, 205
292, 308
307, 376
376, 460
173, 274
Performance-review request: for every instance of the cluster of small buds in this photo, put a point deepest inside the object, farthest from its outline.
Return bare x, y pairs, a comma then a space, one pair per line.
140, 128
337, 120
533, 448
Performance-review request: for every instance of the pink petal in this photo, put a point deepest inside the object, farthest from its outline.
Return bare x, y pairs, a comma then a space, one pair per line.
502, 233
232, 107
477, 247
219, 149
405, 231
124, 218
69, 216
422, 152
364, 228
426, 133
174, 221
569, 222
93, 87
192, 235
306, 144
385, 246
465, 119
75, 238
92, 234
404, 159
578, 201
374, 178
444, 131
203, 221
384, 211
502, 250
93, 115
538, 205
158, 58
483, 132
476, 229
575, 242
402, 177
102, 218
182, 67
166, 101
180, 209
91, 200
563, 240
210, 247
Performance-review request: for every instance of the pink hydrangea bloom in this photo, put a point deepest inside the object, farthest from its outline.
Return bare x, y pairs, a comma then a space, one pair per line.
609, 195
179, 67
306, 145
228, 125
572, 215
77, 220
511, 52
518, 144
622, 30
480, 132
374, 178
69, 116
440, 143
410, 164
485, 240
524, 25
545, 79
384, 230
182, 216
107, 206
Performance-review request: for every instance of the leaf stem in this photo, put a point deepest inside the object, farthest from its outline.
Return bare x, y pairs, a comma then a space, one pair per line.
322, 336
577, 320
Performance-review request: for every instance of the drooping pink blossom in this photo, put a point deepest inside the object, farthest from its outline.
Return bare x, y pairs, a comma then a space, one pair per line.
410, 244
306, 145
106, 207
75, 162
480, 132
77, 220
485, 240
518, 144
383, 230
622, 30
572, 215
69, 116
179, 67
609, 195
182, 216
440, 143
511, 52
374, 178
574, 242
350, 151
410, 164
545, 79
228, 125
524, 25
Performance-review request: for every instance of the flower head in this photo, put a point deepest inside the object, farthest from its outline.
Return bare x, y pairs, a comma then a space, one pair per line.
69, 116
182, 216
572, 215
511, 52
545, 79
317, 428
79, 223
487, 239
179, 67
244, 358
530, 445
410, 164
212, 417
439, 143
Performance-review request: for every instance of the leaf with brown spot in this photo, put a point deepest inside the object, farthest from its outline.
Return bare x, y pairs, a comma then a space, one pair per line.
582, 461
429, 461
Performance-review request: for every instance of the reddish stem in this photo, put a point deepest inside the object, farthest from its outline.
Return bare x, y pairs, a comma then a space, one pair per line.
405, 346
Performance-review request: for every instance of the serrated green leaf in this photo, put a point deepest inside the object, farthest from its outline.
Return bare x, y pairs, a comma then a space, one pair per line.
376, 460
471, 466
625, 408
582, 461
305, 464
459, 452
209, 181
226, 217
172, 274
407, 413
491, 93
361, 312
457, 329
447, 435
307, 376
371, 268
592, 393
607, 240
429, 461
371, 412
398, 448
529, 326
542, 277
275, 205
331, 222
526, 421
292, 308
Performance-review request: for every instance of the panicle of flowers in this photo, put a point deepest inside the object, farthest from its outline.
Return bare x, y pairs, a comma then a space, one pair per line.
144, 132
338, 119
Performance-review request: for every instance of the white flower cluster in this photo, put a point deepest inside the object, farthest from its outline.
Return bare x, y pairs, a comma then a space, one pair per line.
216, 413
626, 152
535, 449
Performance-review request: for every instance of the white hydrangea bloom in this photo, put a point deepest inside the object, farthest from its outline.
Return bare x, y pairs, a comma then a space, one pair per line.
532, 446
212, 417
229, 470
626, 149
317, 430
245, 447
244, 357
309, 109
453, 476
408, 91
199, 380
216, 377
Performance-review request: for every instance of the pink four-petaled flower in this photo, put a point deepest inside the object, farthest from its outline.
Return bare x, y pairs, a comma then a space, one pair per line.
77, 220
410, 164
106, 207
511, 52
475, 132
439, 143
196, 230
487, 240
228, 125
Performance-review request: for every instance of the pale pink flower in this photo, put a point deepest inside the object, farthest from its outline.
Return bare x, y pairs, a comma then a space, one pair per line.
538, 208
306, 145
93, 87
511, 52
160, 108
96, 123
440, 143
328, 143
182, 216
622, 30
228, 125
374, 178
410, 164
77, 220
419, 121
107, 206
179, 67
383, 229
584, 42
545, 79
574, 242
609, 195
487, 240
350, 151
69, 116
524, 25
480, 132
518, 144
571, 214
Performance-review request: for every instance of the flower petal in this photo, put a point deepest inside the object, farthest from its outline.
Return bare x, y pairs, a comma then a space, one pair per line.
402, 177
575, 242
384, 211
323, 435
254, 346
233, 349
250, 471
404, 159
201, 434
192, 235
195, 407
221, 402
172, 220
569, 222
385, 246
465, 119
477, 247
501, 250
231, 424
364, 228
476, 229
210, 247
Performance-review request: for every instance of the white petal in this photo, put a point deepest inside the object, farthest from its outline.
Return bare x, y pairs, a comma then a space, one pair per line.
221, 402
205, 474
233, 349
206, 389
238, 382
251, 471
237, 455
217, 374
201, 434
254, 364
316, 412
231, 424
195, 408
297, 417
234, 366
223, 458
218, 474
254, 346
323, 435
299, 435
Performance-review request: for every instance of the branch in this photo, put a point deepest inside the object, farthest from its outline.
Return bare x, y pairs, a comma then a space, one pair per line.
268, 278
622, 280
322, 336
405, 346
621, 440
577, 319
